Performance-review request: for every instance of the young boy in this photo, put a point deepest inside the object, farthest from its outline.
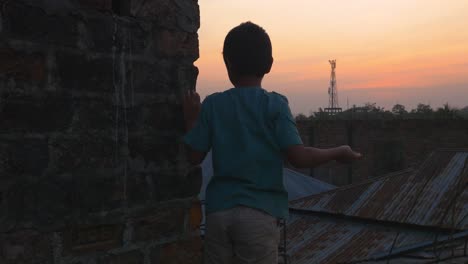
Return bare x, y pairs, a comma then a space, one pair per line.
250, 131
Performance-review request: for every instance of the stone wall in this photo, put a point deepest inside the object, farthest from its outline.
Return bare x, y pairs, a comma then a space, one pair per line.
387, 145
92, 169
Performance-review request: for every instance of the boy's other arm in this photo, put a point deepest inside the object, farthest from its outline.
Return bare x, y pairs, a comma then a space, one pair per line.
308, 157
191, 108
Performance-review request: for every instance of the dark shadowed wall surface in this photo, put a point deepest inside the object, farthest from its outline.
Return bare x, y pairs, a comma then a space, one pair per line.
387, 145
92, 169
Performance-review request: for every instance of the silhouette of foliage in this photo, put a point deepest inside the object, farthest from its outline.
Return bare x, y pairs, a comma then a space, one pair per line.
463, 113
373, 111
399, 110
301, 117
423, 109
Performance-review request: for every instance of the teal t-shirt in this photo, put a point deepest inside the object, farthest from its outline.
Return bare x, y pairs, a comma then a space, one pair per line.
247, 128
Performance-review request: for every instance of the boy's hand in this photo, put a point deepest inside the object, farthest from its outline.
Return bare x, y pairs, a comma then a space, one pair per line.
347, 154
191, 107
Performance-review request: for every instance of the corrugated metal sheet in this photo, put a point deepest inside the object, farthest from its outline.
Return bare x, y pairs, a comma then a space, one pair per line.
434, 195
388, 214
311, 239
299, 185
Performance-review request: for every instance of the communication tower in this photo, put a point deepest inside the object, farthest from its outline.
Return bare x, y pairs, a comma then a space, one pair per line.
333, 106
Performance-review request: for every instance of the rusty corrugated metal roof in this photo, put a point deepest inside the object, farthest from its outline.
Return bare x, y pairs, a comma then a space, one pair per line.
313, 239
434, 195
386, 216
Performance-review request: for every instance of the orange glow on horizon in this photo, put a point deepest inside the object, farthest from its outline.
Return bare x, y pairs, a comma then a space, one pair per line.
377, 44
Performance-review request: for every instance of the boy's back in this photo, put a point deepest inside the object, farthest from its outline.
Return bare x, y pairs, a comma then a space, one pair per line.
246, 128
249, 131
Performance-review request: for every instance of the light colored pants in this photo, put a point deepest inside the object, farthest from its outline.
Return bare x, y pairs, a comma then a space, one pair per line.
241, 235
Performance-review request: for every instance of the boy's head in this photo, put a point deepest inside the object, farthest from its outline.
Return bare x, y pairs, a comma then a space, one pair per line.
247, 51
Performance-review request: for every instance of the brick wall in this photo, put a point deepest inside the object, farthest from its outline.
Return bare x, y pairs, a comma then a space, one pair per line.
92, 169
388, 145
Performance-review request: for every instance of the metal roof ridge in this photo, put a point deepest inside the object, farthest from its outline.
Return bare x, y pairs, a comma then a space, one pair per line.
408, 249
312, 178
451, 150
388, 175
350, 186
365, 220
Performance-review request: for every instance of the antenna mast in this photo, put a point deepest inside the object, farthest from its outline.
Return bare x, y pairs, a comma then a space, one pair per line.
333, 106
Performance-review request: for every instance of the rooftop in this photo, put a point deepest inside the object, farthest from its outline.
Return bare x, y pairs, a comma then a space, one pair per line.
412, 215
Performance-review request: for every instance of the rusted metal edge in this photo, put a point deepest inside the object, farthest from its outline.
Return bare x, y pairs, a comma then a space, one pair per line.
362, 220
451, 150
408, 249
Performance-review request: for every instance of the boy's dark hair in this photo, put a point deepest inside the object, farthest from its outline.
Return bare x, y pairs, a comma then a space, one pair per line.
247, 47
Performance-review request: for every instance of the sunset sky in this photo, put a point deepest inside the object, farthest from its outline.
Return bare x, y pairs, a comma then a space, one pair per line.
388, 52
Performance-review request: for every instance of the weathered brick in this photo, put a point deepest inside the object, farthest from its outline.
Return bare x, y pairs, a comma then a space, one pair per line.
104, 5
121, 7
83, 152
92, 238
140, 187
136, 37
165, 223
92, 191
188, 15
24, 156
22, 66
153, 184
172, 14
171, 179
107, 34
163, 12
176, 44
154, 149
100, 33
46, 204
25, 247
156, 77
91, 169
39, 26
131, 257
32, 203
188, 251
80, 72
152, 118
107, 141
37, 114
96, 114
186, 77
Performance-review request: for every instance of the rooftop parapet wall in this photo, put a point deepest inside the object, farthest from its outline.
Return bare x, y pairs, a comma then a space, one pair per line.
92, 169
387, 145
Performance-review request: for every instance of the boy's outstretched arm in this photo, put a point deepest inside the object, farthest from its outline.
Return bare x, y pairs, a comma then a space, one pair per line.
308, 157
191, 108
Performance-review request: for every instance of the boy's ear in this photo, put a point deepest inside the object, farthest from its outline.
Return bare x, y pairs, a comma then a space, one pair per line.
270, 64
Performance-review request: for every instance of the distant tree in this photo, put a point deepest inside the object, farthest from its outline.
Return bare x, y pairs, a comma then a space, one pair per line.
399, 110
372, 107
447, 112
423, 109
367, 111
463, 113
301, 117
